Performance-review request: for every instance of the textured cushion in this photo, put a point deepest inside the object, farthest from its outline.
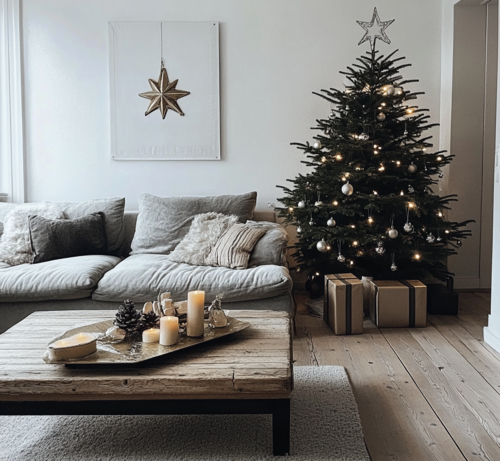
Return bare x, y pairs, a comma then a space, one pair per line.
5, 208
63, 238
143, 277
163, 222
15, 245
112, 208
69, 278
203, 234
271, 247
233, 248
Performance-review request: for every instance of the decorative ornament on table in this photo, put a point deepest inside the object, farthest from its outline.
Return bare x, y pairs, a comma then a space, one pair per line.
128, 317
430, 238
381, 117
380, 248
347, 189
331, 222
149, 320
375, 29
216, 316
164, 94
322, 246
114, 334
340, 257
412, 168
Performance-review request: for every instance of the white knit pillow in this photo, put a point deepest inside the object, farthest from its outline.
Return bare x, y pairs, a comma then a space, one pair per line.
203, 234
15, 247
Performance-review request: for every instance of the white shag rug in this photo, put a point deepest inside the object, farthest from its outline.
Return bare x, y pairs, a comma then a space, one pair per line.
325, 426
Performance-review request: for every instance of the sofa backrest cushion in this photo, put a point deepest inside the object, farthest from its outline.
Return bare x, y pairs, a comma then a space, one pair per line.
271, 248
163, 222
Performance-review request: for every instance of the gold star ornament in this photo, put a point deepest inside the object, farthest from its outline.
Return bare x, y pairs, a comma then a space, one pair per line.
375, 29
164, 95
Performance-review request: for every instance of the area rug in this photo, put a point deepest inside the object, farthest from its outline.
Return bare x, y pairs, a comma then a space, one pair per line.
325, 426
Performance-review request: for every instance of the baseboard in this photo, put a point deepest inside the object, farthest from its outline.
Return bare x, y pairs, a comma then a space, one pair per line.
473, 290
491, 338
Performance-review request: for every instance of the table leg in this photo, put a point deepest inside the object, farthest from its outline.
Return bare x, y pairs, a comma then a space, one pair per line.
281, 427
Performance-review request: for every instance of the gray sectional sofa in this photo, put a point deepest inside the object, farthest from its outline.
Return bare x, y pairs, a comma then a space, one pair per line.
104, 281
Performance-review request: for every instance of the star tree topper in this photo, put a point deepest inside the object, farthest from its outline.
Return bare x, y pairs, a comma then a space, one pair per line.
378, 29
164, 95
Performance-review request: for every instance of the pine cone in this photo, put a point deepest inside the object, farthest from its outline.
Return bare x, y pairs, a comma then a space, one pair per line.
127, 317
149, 320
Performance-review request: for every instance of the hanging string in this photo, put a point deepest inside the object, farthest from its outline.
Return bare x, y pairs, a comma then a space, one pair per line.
161, 44
340, 246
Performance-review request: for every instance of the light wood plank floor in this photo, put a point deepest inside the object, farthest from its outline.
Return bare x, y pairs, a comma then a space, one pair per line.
423, 394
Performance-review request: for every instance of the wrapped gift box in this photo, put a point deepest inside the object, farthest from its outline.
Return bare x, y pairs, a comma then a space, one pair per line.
343, 310
399, 304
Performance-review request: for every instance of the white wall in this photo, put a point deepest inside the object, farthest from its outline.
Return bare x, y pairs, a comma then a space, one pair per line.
274, 53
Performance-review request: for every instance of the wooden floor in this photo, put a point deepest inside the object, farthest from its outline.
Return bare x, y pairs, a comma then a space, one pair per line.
423, 394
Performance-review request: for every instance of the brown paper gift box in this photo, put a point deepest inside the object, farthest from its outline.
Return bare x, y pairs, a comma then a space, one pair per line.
343, 310
399, 304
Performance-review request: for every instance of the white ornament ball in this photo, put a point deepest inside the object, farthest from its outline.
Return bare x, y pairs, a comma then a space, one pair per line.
393, 233
301, 204
347, 189
412, 168
299, 230
317, 145
332, 115
398, 91
381, 117
390, 90
318, 203
311, 222
331, 222
341, 258
322, 246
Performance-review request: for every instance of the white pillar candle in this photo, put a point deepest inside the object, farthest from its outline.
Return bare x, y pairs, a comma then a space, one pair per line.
195, 314
151, 336
169, 330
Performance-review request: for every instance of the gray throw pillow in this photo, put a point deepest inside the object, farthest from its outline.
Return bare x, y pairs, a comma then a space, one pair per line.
163, 222
271, 248
64, 238
112, 209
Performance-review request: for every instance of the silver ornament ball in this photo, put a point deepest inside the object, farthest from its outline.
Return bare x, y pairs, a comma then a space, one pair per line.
311, 222
331, 222
332, 115
459, 243
347, 189
322, 246
390, 90
393, 233
412, 168
317, 145
341, 258
381, 117
301, 204
299, 230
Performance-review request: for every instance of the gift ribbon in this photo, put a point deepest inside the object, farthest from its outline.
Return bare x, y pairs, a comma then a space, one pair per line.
412, 302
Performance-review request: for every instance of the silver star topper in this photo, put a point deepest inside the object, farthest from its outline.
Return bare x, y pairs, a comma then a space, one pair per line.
378, 29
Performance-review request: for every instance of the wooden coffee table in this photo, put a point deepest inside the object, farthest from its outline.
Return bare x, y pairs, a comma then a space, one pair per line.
249, 372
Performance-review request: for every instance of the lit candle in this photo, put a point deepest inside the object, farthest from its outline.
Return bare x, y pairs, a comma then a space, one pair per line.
195, 313
75, 346
151, 336
169, 330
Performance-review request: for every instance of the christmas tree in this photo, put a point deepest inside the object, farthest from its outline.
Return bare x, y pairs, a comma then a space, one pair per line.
368, 206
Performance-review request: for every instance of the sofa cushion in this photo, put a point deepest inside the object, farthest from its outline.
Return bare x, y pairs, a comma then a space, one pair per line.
142, 277
112, 208
271, 248
5, 208
64, 238
69, 278
163, 222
